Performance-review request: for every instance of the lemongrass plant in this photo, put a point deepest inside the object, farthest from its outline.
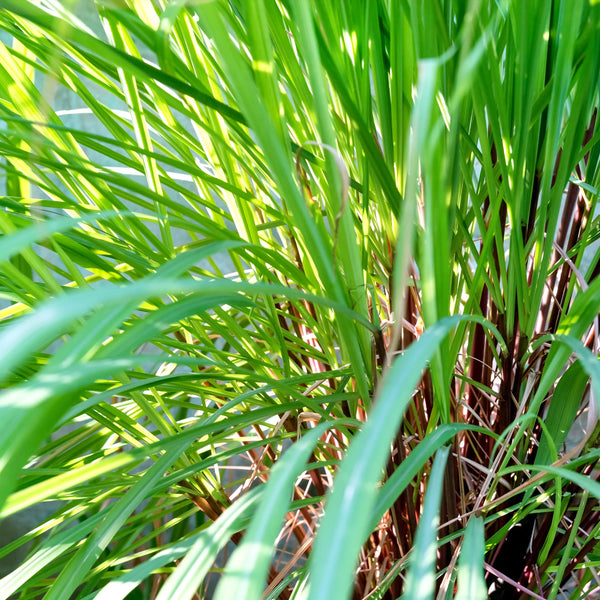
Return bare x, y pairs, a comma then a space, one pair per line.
300, 299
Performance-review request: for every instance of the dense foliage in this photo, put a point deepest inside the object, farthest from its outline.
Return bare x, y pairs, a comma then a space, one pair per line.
300, 299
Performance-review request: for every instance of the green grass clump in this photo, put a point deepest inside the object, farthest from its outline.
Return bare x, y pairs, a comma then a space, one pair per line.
300, 299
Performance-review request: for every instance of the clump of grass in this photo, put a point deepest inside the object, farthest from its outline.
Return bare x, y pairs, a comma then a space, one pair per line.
319, 280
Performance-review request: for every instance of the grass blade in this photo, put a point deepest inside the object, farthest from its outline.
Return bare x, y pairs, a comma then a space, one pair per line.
471, 584
420, 580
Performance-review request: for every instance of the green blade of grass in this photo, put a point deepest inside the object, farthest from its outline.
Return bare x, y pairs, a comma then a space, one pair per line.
413, 463
420, 580
86, 556
355, 492
247, 570
566, 400
199, 550
470, 581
